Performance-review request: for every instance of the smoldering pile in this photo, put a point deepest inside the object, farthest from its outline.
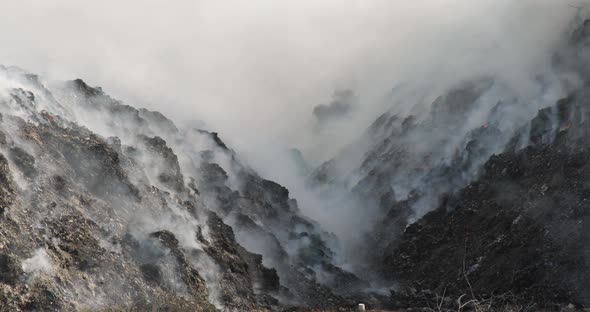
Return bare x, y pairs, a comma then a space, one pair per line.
483, 198
108, 206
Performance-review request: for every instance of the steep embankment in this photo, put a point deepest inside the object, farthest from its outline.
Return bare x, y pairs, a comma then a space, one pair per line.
108, 206
484, 196
518, 233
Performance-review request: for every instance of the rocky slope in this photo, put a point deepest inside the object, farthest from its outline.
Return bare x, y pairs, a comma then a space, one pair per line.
108, 206
483, 197
518, 229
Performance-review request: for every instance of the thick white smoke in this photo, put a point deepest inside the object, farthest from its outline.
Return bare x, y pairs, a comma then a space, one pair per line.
254, 70
39, 263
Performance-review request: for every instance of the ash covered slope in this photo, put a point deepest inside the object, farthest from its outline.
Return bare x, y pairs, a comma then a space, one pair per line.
519, 231
105, 205
506, 178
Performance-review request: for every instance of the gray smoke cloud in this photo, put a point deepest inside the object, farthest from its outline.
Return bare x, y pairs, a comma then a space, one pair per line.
38, 263
254, 70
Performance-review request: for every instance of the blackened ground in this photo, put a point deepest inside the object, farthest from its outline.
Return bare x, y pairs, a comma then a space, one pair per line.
519, 232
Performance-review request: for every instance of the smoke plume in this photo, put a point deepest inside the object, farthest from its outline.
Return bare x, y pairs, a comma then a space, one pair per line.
254, 71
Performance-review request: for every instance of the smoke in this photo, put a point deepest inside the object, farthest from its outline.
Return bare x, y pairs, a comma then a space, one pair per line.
254, 70
39, 263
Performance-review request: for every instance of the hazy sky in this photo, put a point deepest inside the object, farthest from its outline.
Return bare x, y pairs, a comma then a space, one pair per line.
254, 70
